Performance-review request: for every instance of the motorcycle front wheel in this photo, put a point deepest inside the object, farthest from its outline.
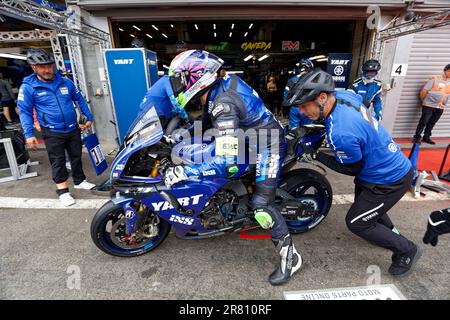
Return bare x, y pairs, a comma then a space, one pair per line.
108, 232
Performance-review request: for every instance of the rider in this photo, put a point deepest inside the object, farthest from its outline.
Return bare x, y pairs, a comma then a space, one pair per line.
370, 88
230, 104
297, 119
364, 149
160, 96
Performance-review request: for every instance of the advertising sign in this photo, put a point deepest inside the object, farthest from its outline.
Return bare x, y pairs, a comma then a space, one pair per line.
377, 292
218, 47
256, 46
290, 46
130, 73
339, 65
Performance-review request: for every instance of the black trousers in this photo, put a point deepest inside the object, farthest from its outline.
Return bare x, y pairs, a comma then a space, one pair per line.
11, 107
56, 144
428, 119
368, 219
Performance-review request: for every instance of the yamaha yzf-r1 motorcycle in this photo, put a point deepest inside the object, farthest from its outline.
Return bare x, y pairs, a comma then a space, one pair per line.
142, 210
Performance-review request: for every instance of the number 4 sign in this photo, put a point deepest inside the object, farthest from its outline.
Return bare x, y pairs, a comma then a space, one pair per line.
399, 70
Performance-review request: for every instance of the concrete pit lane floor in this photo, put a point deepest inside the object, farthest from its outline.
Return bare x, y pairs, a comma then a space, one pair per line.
48, 253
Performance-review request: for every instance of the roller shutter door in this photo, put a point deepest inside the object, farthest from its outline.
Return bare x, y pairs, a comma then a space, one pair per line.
430, 52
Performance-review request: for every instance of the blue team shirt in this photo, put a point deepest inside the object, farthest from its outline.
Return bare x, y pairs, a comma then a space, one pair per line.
159, 96
54, 104
354, 135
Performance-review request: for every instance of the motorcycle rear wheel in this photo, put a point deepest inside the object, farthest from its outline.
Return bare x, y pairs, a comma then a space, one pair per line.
310, 187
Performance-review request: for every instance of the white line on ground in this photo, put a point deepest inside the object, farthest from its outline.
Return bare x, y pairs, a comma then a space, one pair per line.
35, 203
84, 204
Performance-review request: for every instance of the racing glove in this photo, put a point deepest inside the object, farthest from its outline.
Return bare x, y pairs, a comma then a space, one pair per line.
438, 223
378, 115
367, 103
169, 140
174, 175
177, 109
164, 164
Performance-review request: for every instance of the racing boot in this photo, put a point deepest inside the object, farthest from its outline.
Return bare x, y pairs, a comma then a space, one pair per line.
290, 261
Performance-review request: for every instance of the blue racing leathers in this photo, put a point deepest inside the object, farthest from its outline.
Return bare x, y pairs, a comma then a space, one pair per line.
54, 104
355, 135
370, 93
160, 95
235, 111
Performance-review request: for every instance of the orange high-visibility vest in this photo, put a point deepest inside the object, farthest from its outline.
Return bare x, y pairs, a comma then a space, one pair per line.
441, 87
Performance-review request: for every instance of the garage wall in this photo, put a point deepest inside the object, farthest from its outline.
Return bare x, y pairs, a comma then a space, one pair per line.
428, 54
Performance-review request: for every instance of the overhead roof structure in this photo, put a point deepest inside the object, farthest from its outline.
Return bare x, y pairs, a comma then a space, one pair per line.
66, 24
45, 16
417, 24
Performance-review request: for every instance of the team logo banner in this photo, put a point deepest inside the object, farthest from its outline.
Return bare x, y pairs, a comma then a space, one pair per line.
339, 65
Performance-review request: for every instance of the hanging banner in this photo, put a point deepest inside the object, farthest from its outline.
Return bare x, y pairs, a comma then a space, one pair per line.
339, 65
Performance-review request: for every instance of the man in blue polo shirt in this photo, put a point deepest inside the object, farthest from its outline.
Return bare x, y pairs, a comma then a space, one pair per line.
362, 148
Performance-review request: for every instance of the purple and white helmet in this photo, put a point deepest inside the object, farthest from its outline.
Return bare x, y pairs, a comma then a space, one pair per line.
191, 72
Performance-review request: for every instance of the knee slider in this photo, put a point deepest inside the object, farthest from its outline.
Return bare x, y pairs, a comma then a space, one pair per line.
264, 218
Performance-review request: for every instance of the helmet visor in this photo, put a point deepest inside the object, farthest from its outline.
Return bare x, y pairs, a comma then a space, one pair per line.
369, 74
178, 83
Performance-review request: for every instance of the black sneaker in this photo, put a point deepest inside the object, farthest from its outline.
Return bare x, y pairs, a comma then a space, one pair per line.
428, 140
402, 264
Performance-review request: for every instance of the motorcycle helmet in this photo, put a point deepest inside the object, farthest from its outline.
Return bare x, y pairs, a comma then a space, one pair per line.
191, 73
306, 65
369, 69
39, 57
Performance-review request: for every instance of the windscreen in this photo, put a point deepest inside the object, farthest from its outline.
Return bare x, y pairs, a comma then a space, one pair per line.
146, 125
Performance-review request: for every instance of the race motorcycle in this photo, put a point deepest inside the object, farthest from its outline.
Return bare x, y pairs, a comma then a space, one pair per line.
142, 210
